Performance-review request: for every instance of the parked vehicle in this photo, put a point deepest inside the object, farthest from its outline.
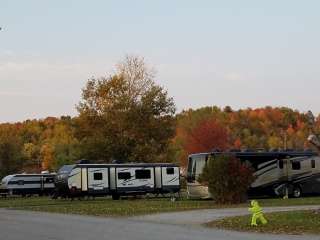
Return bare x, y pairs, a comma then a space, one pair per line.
28, 184
277, 172
117, 179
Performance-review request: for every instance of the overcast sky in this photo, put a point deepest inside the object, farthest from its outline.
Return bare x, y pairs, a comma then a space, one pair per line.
237, 53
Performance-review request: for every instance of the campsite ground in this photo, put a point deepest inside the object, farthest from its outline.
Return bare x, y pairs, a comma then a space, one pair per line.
18, 224
200, 213
295, 222
132, 207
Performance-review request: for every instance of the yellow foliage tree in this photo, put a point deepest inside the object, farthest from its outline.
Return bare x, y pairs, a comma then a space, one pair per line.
47, 156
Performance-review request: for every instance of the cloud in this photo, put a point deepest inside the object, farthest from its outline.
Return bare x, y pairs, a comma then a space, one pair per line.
14, 94
13, 67
34, 75
52, 82
232, 76
7, 53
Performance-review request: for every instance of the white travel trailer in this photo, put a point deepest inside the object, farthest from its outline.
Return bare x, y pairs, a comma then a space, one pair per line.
297, 172
117, 179
27, 184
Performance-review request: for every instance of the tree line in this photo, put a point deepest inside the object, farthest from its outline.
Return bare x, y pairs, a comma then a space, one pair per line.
268, 128
129, 118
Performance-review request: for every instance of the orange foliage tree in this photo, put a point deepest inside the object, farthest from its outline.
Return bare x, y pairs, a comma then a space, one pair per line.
209, 134
47, 155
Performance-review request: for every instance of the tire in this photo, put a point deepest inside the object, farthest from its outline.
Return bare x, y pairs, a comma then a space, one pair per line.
115, 196
296, 192
54, 195
73, 191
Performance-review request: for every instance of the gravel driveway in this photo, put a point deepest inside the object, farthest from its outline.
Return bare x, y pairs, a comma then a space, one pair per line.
21, 225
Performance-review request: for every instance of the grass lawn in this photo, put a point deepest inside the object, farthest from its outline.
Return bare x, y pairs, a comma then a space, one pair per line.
297, 222
131, 207
103, 206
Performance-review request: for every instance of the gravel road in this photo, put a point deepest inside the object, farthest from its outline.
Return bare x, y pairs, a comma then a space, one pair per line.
21, 225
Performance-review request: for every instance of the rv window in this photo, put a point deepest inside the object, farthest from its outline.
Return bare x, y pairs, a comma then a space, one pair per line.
313, 163
143, 174
66, 169
190, 174
124, 175
170, 171
296, 165
49, 180
97, 176
280, 162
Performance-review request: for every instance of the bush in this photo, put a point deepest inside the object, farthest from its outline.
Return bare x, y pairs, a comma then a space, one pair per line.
228, 179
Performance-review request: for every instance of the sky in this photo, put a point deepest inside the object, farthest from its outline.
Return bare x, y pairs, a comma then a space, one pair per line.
243, 54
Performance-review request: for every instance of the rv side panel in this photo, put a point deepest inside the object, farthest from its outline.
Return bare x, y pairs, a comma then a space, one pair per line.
98, 180
158, 177
74, 179
170, 179
140, 179
84, 179
112, 178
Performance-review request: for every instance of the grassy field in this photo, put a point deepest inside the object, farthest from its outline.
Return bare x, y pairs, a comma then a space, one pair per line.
104, 206
131, 207
297, 222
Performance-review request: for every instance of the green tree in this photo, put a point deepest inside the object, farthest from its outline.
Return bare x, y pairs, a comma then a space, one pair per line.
126, 116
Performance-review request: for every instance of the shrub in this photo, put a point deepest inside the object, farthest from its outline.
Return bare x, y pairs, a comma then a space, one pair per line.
228, 179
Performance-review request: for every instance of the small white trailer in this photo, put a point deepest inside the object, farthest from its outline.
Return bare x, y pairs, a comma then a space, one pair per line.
117, 179
28, 184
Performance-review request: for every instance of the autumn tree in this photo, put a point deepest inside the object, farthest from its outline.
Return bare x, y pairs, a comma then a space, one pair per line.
228, 179
65, 146
47, 156
31, 154
126, 116
268, 128
11, 157
206, 136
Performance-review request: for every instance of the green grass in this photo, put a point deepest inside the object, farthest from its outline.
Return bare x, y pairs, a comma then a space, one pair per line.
273, 202
297, 222
104, 206
131, 207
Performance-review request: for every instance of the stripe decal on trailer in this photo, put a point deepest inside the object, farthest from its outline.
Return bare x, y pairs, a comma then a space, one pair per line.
173, 179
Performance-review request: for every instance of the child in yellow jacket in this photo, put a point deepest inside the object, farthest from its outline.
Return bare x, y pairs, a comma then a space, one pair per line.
256, 213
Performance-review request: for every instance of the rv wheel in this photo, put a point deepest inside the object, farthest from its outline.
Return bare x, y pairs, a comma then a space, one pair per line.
54, 195
115, 196
296, 192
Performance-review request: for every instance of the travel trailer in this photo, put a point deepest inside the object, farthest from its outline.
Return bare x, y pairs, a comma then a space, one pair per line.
277, 172
117, 179
28, 184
